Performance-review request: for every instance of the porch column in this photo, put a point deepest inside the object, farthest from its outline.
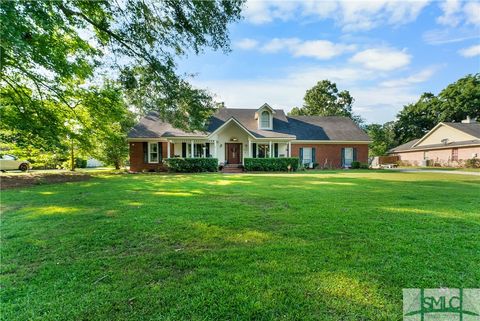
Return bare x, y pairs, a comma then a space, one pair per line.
215, 149
250, 148
270, 148
204, 151
191, 150
289, 149
168, 149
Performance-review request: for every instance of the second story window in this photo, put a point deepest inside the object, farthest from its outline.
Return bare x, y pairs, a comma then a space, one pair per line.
265, 120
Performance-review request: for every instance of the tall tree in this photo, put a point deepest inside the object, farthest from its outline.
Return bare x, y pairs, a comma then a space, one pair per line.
49, 48
453, 104
383, 137
324, 99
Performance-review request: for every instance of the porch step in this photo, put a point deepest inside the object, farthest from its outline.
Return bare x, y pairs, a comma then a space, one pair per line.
232, 169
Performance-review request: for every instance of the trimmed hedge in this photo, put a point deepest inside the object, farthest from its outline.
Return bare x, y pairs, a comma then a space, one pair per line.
358, 165
271, 164
191, 165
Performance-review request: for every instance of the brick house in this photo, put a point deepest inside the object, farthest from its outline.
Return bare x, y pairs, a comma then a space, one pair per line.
447, 144
233, 134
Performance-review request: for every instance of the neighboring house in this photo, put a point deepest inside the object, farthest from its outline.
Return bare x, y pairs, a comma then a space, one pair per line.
447, 144
235, 134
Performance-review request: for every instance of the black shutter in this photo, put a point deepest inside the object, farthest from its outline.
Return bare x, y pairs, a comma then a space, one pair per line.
354, 154
207, 149
343, 157
275, 150
254, 151
160, 154
313, 156
301, 155
184, 150
145, 152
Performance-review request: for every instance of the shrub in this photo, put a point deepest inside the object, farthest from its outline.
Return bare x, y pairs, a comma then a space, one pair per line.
271, 164
355, 165
191, 165
472, 163
364, 166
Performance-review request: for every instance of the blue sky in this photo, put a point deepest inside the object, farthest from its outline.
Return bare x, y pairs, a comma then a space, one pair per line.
385, 52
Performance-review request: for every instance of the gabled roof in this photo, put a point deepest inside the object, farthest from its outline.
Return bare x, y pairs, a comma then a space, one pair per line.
472, 129
334, 128
247, 118
291, 127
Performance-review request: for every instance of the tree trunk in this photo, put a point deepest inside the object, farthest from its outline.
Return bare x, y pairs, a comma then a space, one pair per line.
72, 158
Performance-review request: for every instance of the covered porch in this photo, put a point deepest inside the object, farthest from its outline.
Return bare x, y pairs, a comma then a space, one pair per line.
228, 151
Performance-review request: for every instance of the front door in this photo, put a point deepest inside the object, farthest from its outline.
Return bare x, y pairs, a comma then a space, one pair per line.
233, 153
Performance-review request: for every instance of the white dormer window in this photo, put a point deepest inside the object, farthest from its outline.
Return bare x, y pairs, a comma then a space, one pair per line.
264, 117
265, 120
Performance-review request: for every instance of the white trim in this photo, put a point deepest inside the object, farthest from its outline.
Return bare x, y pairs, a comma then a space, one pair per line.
432, 148
330, 142
142, 140
168, 149
150, 153
227, 122
431, 131
289, 149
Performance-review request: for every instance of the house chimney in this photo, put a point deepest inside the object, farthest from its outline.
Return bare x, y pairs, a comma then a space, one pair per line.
469, 120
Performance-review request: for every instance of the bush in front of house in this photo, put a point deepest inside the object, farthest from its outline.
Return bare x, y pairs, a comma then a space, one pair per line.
191, 165
358, 165
472, 163
271, 164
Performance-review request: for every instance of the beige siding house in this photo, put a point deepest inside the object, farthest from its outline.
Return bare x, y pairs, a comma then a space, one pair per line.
447, 144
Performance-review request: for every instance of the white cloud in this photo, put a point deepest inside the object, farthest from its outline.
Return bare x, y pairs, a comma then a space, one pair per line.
382, 59
470, 51
419, 77
451, 10
319, 49
350, 15
246, 44
449, 35
472, 13
373, 101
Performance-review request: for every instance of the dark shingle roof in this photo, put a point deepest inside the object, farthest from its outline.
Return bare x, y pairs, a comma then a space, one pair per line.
293, 127
469, 128
405, 146
326, 128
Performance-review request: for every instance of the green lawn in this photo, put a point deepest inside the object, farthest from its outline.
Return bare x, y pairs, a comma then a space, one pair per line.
314, 246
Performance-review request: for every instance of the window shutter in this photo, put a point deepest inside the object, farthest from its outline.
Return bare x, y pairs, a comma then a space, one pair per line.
275, 149
184, 150
207, 149
254, 151
160, 154
301, 155
343, 157
313, 155
354, 154
145, 152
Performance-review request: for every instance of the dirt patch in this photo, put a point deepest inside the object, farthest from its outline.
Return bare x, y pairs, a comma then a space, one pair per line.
31, 179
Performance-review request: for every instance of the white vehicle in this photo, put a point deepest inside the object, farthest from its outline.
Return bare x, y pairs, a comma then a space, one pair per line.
10, 162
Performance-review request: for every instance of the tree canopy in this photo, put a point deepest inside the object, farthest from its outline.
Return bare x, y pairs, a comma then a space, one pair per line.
324, 99
55, 56
453, 104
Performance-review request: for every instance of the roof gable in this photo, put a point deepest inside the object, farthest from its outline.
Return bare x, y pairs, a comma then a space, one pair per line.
448, 133
292, 127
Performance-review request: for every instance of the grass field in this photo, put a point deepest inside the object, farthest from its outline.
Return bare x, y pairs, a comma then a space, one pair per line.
314, 246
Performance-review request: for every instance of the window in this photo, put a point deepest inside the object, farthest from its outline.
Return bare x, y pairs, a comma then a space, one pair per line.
307, 156
197, 150
263, 150
265, 119
348, 157
153, 152
455, 154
